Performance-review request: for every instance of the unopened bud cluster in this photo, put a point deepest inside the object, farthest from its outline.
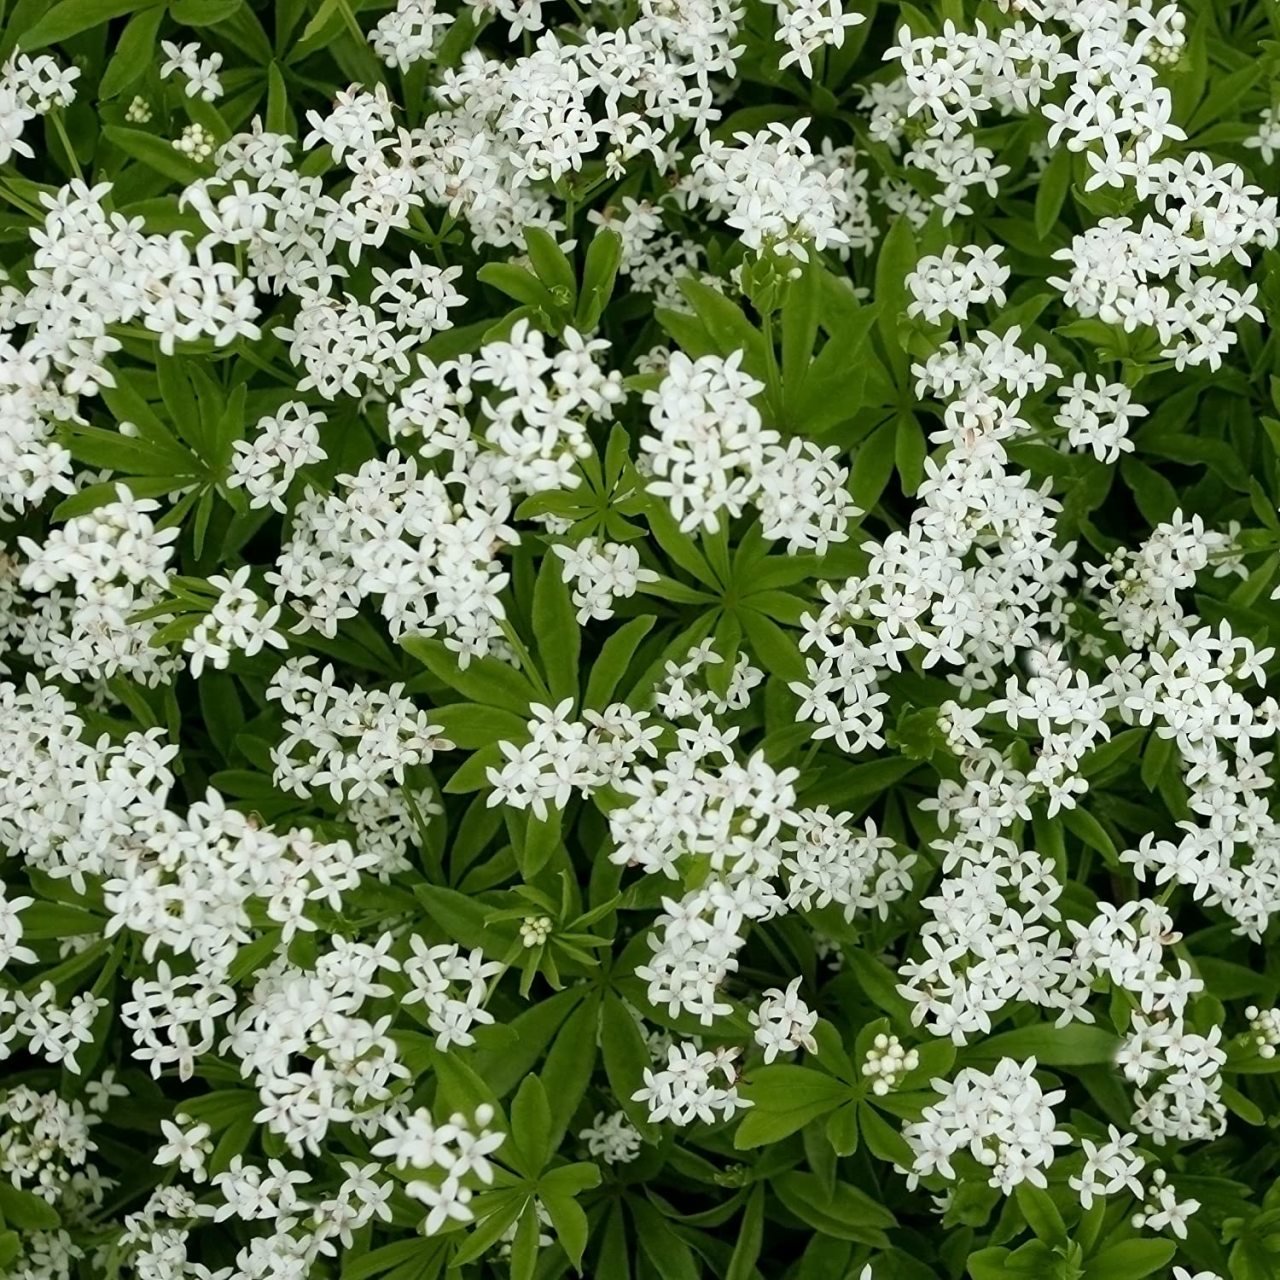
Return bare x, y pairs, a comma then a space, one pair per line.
535, 930
887, 1062
1264, 1029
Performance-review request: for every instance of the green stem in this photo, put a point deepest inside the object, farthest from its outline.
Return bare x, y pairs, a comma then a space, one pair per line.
19, 203
352, 25
526, 662
61, 130
570, 207
773, 379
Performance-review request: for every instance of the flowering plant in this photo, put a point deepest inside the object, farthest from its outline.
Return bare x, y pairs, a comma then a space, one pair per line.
634, 639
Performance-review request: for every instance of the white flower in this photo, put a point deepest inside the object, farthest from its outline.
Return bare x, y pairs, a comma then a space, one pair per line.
452, 987
1109, 1167
612, 1138
238, 622
685, 1090
770, 190
200, 73
11, 950
804, 26
185, 1144
408, 33
1004, 1118
1162, 1208
601, 573
783, 1022
284, 442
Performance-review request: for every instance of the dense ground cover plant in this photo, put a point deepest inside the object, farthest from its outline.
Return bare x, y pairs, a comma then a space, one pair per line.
634, 640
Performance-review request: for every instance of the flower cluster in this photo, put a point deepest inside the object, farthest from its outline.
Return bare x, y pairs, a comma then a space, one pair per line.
1002, 1120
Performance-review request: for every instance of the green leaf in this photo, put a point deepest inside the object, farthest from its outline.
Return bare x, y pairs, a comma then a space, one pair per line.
484, 680
461, 917
909, 452
253, 955
1131, 1260
626, 1056
570, 1064
571, 1179
93, 496
519, 284
611, 667
670, 1257
481, 1238
540, 838
531, 1127
1074, 1045
742, 1264
727, 324
277, 100
471, 724
570, 1225
1157, 499
785, 1099
26, 1210
1223, 96
221, 709
549, 261
234, 1142
128, 404
873, 465
776, 649
598, 276
614, 1258
1041, 1213
473, 774
390, 1255
555, 627
833, 387
54, 920
504, 1067
1091, 832
882, 1139
1111, 752
842, 1130
200, 526
1159, 756
1245, 1108
459, 1088
328, 14
71, 17
75, 966
1051, 192
800, 310
134, 52
154, 152
99, 447
202, 13
676, 543
898, 256
847, 1212
988, 1264
878, 984
222, 1108
1033, 1261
